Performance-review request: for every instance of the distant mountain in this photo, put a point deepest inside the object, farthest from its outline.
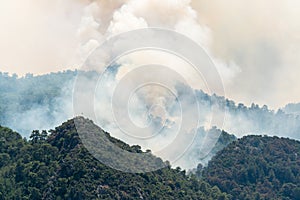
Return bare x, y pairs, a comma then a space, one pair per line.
257, 167
58, 166
35, 102
292, 108
241, 120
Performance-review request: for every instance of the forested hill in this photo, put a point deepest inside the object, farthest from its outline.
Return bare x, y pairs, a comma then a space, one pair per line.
58, 166
257, 167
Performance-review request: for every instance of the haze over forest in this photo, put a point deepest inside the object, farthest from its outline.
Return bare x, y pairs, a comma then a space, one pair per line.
255, 44
43, 102
150, 99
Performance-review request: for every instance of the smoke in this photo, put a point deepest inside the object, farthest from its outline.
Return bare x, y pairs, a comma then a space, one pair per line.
244, 54
155, 108
38, 37
100, 21
256, 40
36, 103
262, 38
251, 42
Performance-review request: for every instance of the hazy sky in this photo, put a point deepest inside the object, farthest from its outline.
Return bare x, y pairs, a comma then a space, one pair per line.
261, 38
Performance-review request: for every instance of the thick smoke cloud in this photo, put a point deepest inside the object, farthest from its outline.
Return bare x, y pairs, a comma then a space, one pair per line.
154, 103
256, 40
262, 38
249, 57
38, 36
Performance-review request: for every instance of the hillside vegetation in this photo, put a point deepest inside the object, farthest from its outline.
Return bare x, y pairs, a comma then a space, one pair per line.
59, 167
257, 167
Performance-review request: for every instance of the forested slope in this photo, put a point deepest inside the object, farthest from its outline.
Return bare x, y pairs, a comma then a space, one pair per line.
257, 167
59, 167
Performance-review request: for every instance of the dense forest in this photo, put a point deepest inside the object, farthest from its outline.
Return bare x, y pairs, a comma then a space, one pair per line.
257, 167
57, 166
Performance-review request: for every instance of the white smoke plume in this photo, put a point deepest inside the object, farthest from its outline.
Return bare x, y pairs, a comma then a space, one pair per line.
81, 26
261, 37
102, 19
153, 103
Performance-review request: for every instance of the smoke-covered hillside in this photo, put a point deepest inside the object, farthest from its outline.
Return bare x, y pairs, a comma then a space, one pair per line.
41, 102
292, 108
29, 102
35, 102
